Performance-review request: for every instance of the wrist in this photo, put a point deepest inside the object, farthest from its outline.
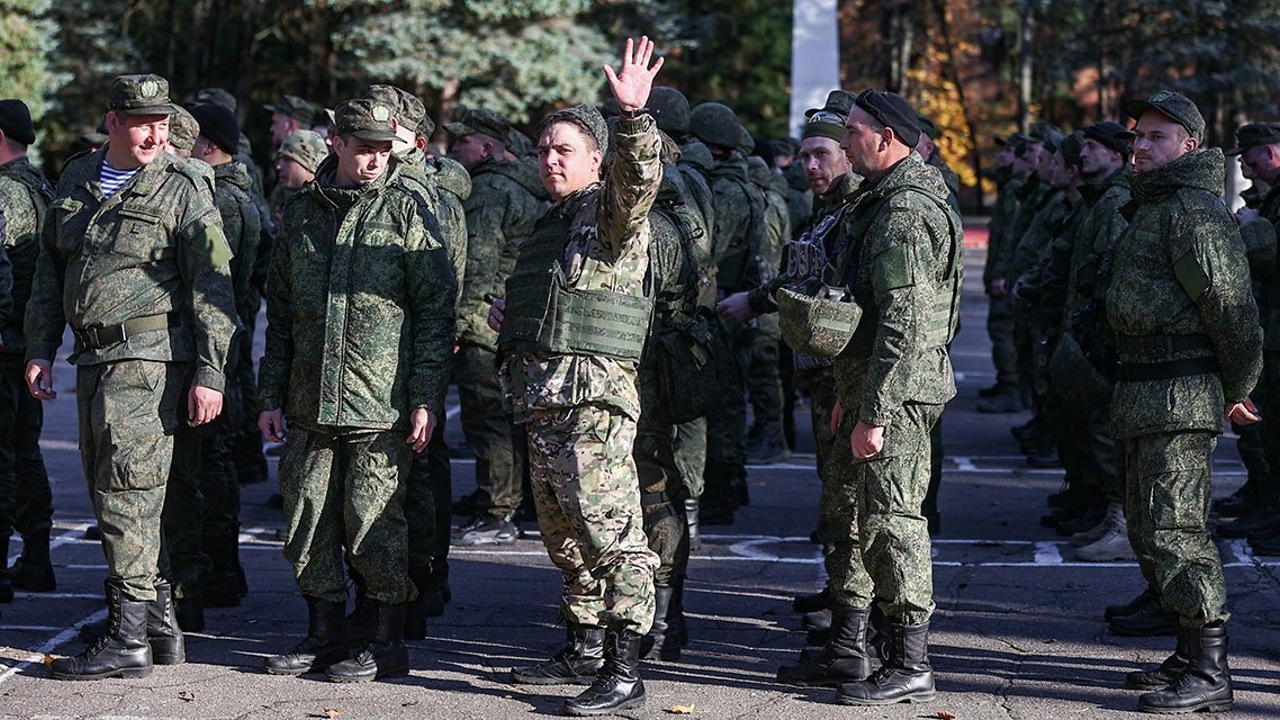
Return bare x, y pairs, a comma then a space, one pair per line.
633, 113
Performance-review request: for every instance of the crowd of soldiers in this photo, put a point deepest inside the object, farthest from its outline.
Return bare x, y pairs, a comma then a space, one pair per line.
609, 297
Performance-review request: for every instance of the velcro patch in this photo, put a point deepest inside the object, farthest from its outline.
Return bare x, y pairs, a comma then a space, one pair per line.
212, 245
892, 268
1191, 276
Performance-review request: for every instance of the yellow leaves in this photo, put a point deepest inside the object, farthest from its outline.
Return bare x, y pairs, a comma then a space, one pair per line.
681, 709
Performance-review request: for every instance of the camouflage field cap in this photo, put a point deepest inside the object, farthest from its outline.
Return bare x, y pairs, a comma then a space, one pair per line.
183, 130
1254, 135
305, 148
483, 122
366, 119
145, 94
1175, 106
217, 96
410, 112
821, 325
294, 107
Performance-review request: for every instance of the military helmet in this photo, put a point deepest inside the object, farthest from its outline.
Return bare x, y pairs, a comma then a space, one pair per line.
715, 124
670, 108
746, 144
821, 325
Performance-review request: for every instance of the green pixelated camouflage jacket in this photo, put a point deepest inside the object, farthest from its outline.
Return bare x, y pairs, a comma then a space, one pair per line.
24, 197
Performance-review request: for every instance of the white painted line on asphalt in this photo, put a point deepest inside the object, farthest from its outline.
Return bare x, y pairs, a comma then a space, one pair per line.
32, 628
963, 463
58, 595
1047, 554
71, 536
37, 656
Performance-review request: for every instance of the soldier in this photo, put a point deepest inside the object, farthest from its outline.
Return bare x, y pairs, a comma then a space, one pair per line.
134, 259
289, 115
26, 502
764, 382
356, 362
223, 583
1190, 351
506, 199
571, 379
297, 160
927, 148
1007, 390
902, 263
183, 130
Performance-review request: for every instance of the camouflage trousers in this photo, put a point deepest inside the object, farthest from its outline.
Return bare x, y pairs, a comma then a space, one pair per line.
661, 496
345, 493
690, 447
26, 501
244, 436
498, 443
1004, 352
128, 413
879, 539
764, 383
587, 493
1167, 507
822, 402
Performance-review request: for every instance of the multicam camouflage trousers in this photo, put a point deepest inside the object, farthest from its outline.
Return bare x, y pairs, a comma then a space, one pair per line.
128, 413
1167, 499
346, 492
588, 499
871, 510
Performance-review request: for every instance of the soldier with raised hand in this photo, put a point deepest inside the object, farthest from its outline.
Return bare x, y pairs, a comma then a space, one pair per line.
26, 501
1190, 351
901, 261
134, 259
506, 199
571, 331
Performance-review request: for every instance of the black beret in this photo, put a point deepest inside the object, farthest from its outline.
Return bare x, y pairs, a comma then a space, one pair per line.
1255, 134
893, 111
15, 121
1113, 135
219, 125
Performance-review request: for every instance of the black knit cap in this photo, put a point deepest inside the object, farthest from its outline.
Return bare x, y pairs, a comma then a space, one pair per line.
15, 121
1110, 134
893, 111
586, 117
218, 124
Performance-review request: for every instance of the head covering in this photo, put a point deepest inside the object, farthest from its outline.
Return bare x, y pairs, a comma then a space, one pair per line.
410, 111
828, 121
670, 108
715, 124
1175, 106
183, 129
785, 146
294, 107
145, 94
219, 125
217, 96
893, 111
838, 101
483, 122
1112, 135
1071, 149
586, 117
306, 148
1255, 134
15, 121
366, 119
927, 127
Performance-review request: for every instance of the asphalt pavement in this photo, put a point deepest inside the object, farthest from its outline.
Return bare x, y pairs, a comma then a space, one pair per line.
1018, 631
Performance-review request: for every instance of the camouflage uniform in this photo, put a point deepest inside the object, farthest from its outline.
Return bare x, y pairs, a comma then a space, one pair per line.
1258, 439
26, 501
1180, 275
149, 263
579, 408
903, 256
999, 314
352, 349
764, 384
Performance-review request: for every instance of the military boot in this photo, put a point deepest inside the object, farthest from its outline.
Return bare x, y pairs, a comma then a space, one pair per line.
1007, 400
843, 659
33, 570
324, 645
1169, 670
190, 613
678, 620
820, 600
719, 497
1204, 685
768, 447
906, 675
618, 685
163, 632
221, 585
691, 518
1143, 599
663, 640
122, 651
1152, 620
6, 584
576, 664
359, 618
384, 655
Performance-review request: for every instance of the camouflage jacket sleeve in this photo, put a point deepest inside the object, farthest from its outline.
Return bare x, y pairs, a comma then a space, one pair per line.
431, 294
6, 276
499, 215
630, 186
277, 358
44, 321
204, 260
1259, 238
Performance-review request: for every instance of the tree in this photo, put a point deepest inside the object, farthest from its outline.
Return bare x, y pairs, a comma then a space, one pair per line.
27, 41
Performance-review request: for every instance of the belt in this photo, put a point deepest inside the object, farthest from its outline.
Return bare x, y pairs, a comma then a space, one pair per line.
96, 338
1134, 344
1145, 372
657, 498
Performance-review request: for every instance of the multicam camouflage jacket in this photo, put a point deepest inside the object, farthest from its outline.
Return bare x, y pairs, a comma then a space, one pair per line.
360, 307
154, 248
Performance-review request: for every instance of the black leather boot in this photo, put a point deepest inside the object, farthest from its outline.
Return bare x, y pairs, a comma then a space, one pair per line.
618, 685
163, 633
906, 675
360, 616
1204, 685
1150, 621
33, 570
220, 586
663, 640
576, 664
384, 655
122, 652
843, 659
678, 620
812, 602
415, 618
1169, 670
189, 612
1144, 599
691, 519
324, 645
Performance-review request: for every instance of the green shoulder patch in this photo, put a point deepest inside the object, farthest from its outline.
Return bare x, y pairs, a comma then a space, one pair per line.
892, 268
1191, 276
212, 245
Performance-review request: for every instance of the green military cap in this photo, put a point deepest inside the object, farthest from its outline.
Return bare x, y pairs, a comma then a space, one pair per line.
839, 102
306, 148
294, 107
366, 119
519, 144
1071, 148
410, 112
1176, 106
484, 122
1255, 134
217, 96
746, 144
145, 94
183, 130
785, 146
927, 126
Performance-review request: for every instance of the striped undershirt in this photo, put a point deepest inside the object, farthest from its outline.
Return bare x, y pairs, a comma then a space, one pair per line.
113, 179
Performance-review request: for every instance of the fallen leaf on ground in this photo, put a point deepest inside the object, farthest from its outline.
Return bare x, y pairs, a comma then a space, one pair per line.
48, 659
327, 713
681, 709
411, 703
186, 696
946, 715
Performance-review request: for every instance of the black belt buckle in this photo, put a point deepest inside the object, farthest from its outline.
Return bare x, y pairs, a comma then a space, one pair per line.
96, 338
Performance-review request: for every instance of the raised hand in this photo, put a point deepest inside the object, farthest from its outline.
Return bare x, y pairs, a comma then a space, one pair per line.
631, 85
